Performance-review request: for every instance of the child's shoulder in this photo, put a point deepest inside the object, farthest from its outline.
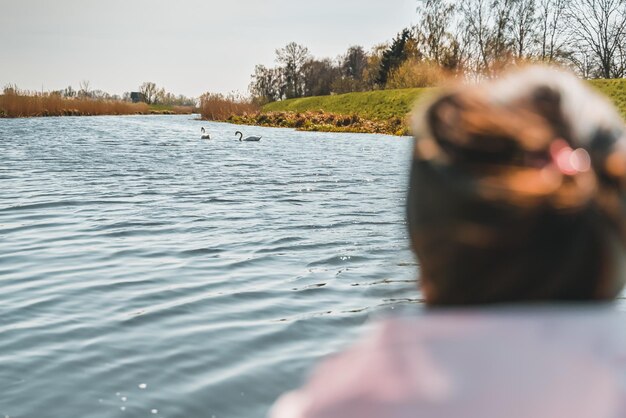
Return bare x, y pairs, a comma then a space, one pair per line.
489, 361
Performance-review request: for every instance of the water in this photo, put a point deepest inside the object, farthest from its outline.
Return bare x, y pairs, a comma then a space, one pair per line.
146, 272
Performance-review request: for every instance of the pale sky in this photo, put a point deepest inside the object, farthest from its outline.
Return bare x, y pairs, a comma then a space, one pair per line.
187, 46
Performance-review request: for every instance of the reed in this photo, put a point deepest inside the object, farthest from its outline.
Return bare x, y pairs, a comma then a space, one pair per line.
171, 110
14, 105
219, 107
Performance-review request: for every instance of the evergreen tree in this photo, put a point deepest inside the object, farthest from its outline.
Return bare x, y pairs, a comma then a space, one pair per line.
394, 56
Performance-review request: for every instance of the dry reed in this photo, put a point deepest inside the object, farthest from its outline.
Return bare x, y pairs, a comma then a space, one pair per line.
220, 107
20, 105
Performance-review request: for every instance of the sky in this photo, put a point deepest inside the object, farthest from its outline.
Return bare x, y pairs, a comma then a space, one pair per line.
186, 46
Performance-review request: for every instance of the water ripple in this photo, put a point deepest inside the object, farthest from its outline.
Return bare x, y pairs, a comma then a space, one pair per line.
144, 269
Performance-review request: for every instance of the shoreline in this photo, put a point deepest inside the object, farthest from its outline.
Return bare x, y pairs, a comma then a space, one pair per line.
95, 115
75, 113
320, 121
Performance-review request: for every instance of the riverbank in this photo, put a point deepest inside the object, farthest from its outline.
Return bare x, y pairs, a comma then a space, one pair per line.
18, 105
381, 111
321, 121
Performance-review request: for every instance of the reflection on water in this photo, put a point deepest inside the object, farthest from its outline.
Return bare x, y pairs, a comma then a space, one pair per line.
147, 272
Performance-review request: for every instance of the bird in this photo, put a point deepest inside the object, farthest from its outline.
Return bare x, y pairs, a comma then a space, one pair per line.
204, 136
250, 138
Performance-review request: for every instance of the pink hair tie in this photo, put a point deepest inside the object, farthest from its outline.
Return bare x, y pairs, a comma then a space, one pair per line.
569, 161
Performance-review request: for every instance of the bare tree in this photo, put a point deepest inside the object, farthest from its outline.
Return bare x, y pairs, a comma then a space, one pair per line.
500, 38
523, 26
436, 17
267, 84
161, 96
475, 18
487, 25
583, 62
84, 88
149, 91
599, 26
293, 57
552, 30
69, 92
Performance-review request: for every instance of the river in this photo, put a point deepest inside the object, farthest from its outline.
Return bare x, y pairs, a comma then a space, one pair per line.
147, 272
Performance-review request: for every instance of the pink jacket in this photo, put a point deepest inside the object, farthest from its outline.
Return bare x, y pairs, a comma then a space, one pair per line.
505, 363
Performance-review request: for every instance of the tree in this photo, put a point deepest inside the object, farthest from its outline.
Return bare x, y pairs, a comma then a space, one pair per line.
500, 39
476, 16
84, 89
599, 26
352, 70
293, 57
319, 76
552, 29
583, 62
436, 18
354, 62
394, 56
69, 92
488, 27
267, 84
523, 26
149, 91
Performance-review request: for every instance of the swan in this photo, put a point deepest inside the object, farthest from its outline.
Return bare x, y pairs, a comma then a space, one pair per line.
207, 136
250, 138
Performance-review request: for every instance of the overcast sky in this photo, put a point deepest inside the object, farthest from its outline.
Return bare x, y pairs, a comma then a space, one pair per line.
186, 46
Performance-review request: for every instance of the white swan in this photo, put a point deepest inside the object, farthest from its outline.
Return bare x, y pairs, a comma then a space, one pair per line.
207, 136
250, 138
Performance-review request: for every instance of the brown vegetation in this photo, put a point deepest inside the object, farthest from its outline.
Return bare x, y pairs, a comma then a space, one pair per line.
219, 107
20, 105
170, 110
322, 121
414, 73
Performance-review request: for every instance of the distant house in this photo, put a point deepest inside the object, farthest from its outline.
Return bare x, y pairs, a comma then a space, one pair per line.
137, 97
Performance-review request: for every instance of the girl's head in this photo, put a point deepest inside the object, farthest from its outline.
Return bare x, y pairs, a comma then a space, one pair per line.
517, 192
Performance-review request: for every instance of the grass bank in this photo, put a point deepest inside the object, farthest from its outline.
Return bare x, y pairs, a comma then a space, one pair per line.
381, 111
371, 105
614, 90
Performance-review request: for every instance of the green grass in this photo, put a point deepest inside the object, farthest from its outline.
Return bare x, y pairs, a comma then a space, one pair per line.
373, 105
614, 90
384, 104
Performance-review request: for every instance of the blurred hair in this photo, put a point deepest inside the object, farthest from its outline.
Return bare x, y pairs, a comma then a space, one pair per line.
517, 191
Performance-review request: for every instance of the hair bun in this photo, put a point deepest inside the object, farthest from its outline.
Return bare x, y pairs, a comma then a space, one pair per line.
538, 135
